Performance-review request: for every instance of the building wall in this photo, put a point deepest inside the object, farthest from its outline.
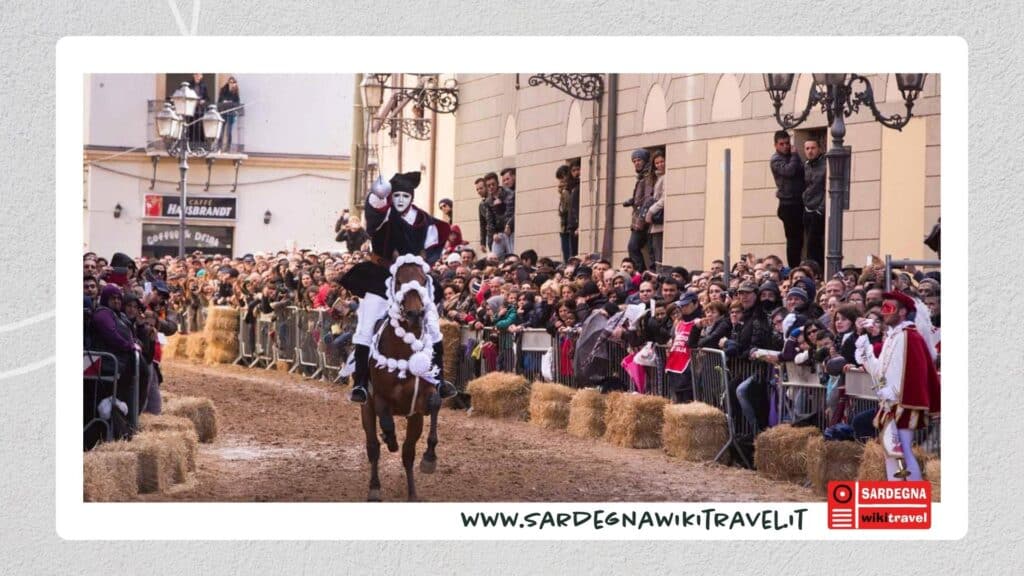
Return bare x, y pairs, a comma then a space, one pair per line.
297, 139
303, 210
704, 113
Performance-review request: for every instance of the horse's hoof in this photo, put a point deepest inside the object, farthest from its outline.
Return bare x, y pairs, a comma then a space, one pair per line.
374, 496
428, 466
392, 445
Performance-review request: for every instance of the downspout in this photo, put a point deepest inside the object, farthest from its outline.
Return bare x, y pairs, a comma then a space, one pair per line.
358, 147
609, 191
433, 161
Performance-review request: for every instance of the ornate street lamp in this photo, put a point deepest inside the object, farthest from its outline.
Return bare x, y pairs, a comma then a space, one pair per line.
172, 125
837, 98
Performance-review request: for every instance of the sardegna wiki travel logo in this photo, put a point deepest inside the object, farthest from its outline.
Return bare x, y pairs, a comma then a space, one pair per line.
899, 505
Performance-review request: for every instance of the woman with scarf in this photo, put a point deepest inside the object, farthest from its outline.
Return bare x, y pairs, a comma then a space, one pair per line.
655, 216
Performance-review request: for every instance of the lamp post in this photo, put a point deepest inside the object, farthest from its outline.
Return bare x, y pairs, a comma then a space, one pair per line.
837, 98
172, 125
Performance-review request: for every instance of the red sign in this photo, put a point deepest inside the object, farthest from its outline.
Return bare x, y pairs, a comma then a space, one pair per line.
891, 505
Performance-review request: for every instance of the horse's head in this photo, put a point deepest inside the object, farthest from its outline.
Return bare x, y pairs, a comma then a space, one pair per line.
413, 306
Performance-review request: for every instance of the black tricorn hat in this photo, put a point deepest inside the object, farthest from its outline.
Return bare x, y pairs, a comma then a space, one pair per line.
406, 182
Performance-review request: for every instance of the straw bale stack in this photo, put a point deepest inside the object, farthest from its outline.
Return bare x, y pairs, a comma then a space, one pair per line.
221, 334
200, 411
695, 431
110, 476
634, 420
780, 453
179, 424
586, 414
828, 461
933, 473
549, 405
500, 395
451, 344
162, 460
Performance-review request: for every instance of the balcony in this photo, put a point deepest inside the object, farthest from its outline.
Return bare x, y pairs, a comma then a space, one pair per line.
230, 151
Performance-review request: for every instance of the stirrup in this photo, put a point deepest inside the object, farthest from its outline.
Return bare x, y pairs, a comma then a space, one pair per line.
447, 390
358, 395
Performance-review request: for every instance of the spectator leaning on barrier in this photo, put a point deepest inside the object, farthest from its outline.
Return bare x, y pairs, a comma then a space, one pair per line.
686, 316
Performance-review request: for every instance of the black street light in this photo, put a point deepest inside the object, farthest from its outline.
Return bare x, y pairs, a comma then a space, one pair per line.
172, 125
835, 95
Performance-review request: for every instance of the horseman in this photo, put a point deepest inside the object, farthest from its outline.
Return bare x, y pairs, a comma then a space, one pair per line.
396, 228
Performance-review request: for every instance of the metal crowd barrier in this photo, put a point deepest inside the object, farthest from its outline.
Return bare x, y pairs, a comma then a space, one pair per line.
97, 380
564, 377
246, 339
862, 397
467, 368
801, 395
711, 383
100, 378
264, 348
284, 334
308, 336
331, 358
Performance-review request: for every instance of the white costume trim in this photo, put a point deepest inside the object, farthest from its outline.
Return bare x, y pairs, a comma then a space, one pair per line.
421, 363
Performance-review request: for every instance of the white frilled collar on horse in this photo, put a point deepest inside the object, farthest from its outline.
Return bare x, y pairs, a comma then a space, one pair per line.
398, 325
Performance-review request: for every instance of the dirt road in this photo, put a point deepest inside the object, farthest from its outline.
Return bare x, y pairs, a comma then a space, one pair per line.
282, 438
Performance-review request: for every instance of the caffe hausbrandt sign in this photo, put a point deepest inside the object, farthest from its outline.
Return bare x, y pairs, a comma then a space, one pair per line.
158, 206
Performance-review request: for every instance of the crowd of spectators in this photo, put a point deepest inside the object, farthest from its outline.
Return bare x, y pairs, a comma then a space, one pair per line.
760, 310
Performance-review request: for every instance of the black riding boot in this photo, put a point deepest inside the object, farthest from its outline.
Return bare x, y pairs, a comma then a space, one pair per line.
361, 376
445, 388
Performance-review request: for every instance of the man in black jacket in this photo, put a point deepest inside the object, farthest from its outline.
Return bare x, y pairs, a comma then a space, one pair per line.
789, 187
814, 202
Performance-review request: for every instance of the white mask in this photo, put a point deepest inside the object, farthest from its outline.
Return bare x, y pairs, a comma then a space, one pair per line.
401, 200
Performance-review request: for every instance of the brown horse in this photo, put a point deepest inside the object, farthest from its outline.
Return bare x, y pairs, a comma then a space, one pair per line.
391, 394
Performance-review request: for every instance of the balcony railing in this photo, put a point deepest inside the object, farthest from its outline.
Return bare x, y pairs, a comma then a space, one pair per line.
231, 143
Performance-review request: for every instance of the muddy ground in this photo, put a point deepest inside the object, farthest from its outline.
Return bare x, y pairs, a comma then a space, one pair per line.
286, 439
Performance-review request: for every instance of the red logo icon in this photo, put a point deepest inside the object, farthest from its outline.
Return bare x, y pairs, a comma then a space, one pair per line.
898, 505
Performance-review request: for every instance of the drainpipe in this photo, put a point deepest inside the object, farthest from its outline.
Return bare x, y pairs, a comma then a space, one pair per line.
433, 161
357, 183
609, 192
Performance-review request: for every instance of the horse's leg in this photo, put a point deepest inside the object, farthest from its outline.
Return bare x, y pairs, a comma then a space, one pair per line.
413, 430
387, 423
372, 450
429, 461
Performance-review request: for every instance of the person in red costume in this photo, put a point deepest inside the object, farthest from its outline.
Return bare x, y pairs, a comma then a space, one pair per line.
906, 382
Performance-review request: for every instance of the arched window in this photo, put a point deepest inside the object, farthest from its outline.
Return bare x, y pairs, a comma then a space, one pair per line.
574, 127
655, 111
508, 147
727, 104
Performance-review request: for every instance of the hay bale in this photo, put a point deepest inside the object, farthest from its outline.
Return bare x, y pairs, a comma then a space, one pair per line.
170, 349
549, 405
694, 431
832, 460
634, 420
181, 346
586, 414
780, 453
221, 346
500, 395
450, 342
158, 467
872, 463
110, 476
933, 472
196, 347
178, 424
221, 319
200, 411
